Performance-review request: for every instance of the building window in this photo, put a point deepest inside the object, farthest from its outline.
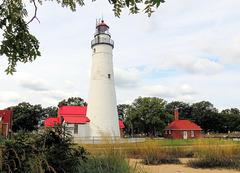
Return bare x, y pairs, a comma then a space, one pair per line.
109, 76
166, 132
192, 134
75, 128
170, 132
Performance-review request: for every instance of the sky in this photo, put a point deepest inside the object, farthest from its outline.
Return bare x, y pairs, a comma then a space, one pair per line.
186, 51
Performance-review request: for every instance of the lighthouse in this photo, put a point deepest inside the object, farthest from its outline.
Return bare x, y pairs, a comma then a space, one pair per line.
102, 105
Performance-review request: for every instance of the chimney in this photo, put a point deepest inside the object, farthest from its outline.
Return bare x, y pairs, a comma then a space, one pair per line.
176, 114
61, 104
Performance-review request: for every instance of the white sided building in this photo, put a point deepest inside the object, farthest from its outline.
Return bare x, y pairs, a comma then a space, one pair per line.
102, 105
75, 120
100, 117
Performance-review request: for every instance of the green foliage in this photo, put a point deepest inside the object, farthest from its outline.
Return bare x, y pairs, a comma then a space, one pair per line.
26, 116
212, 153
73, 101
149, 6
157, 159
215, 162
147, 115
18, 45
122, 111
204, 114
51, 111
52, 151
184, 109
110, 163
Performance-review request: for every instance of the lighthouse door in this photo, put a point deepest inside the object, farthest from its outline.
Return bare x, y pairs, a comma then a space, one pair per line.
184, 134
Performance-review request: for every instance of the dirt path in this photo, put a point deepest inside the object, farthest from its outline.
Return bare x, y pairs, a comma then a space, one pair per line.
172, 168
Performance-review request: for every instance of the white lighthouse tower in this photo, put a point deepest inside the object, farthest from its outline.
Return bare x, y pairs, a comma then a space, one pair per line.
102, 105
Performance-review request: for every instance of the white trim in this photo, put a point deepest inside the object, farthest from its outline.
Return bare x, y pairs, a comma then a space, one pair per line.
192, 133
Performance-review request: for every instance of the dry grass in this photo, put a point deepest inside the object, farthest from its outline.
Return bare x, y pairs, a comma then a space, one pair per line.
214, 154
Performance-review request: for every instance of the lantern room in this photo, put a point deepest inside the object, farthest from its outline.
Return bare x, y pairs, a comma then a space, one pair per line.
102, 28
102, 35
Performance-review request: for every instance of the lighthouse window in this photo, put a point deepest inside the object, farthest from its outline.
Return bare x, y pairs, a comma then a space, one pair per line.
109, 76
75, 128
94, 50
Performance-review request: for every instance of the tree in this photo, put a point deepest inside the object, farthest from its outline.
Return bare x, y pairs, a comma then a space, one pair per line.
205, 115
73, 101
26, 116
18, 45
147, 115
231, 111
184, 109
232, 119
51, 111
122, 111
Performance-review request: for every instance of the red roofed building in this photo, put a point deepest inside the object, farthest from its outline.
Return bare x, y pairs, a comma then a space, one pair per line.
6, 123
182, 129
74, 117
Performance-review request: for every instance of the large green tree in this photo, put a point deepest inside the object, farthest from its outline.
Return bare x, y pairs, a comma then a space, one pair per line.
147, 115
232, 119
73, 101
205, 115
26, 116
19, 45
184, 109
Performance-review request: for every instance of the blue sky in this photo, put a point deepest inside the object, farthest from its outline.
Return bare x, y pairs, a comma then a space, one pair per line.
187, 51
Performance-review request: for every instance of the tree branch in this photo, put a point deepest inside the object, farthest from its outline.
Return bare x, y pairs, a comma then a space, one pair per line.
35, 14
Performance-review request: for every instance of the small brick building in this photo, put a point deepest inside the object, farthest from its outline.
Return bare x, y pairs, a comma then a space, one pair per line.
182, 129
6, 123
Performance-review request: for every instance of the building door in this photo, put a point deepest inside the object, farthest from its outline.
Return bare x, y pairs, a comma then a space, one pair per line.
184, 134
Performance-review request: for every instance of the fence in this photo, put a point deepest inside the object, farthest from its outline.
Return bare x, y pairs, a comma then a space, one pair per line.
104, 140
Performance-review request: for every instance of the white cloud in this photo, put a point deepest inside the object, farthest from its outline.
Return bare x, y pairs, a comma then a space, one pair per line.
9, 98
227, 51
29, 82
189, 64
69, 84
127, 78
168, 91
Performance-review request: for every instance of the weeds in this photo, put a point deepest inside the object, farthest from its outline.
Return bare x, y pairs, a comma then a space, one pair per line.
215, 162
114, 163
213, 154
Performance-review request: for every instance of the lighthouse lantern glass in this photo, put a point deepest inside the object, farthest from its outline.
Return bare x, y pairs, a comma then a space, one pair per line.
102, 30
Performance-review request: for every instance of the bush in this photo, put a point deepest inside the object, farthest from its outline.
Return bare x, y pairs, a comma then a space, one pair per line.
215, 162
215, 156
160, 158
52, 151
105, 163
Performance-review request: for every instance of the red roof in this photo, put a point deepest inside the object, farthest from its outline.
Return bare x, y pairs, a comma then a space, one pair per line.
183, 125
52, 121
80, 120
121, 125
73, 110
102, 24
6, 116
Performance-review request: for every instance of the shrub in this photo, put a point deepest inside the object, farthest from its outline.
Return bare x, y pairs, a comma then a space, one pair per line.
215, 156
114, 163
160, 158
52, 151
215, 162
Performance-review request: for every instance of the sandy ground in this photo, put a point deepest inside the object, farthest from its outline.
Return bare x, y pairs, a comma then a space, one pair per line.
172, 168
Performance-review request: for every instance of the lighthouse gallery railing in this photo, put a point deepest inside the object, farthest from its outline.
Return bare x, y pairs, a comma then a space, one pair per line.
97, 40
